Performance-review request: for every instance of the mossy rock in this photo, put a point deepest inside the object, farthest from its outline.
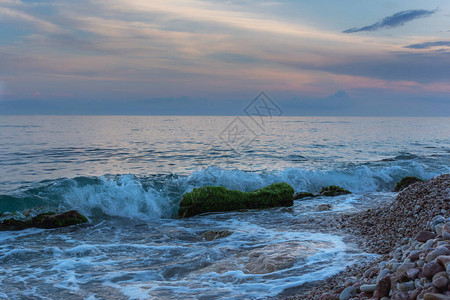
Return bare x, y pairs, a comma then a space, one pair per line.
301, 195
217, 199
46, 220
405, 182
333, 190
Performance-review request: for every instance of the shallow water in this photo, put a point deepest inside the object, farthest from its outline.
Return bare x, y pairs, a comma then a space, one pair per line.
127, 175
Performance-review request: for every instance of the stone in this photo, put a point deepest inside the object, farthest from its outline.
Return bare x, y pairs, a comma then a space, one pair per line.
406, 286
403, 268
384, 286
302, 195
444, 260
382, 274
437, 252
323, 207
440, 280
434, 296
333, 190
414, 255
368, 288
405, 182
412, 273
211, 235
424, 236
47, 220
432, 268
347, 293
438, 229
371, 272
219, 199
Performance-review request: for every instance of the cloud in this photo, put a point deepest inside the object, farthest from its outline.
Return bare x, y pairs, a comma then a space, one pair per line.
395, 20
428, 45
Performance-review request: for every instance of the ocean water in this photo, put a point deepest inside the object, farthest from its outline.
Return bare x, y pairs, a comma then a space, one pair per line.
127, 175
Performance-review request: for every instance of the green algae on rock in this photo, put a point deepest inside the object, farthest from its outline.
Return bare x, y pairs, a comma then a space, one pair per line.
47, 220
333, 190
301, 195
405, 182
217, 199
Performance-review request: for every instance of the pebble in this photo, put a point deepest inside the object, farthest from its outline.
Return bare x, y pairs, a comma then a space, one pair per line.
437, 252
347, 293
432, 268
368, 288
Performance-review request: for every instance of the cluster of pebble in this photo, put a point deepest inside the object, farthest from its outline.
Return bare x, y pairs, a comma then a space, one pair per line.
413, 235
418, 270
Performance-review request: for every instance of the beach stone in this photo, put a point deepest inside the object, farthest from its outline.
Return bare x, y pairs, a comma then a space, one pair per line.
218, 199
446, 236
333, 190
412, 273
424, 236
405, 182
49, 220
347, 293
446, 227
444, 260
400, 296
371, 272
413, 294
327, 296
438, 229
323, 207
432, 268
211, 235
437, 252
384, 286
414, 255
434, 296
440, 280
406, 286
302, 195
403, 268
368, 288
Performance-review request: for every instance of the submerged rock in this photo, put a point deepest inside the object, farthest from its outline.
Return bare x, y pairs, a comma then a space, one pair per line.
211, 235
324, 207
217, 199
302, 195
46, 220
405, 182
333, 190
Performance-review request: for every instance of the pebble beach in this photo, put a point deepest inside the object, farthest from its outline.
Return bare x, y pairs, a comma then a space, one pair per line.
412, 237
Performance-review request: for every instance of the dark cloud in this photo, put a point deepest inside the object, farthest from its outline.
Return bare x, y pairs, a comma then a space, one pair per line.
395, 20
428, 45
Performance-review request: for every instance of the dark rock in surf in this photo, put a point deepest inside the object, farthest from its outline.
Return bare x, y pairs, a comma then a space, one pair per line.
47, 220
405, 182
212, 235
218, 199
301, 195
333, 190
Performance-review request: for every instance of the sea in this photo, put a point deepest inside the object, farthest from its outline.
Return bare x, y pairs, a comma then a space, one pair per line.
127, 174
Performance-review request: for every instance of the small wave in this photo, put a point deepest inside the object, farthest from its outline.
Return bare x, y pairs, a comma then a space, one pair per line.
158, 196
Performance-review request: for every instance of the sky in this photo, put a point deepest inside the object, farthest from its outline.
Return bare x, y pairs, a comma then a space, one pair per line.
198, 57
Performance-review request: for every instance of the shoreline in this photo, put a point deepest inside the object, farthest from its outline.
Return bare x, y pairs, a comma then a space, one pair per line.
391, 231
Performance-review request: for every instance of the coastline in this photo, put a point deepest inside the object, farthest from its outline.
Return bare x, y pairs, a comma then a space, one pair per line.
404, 233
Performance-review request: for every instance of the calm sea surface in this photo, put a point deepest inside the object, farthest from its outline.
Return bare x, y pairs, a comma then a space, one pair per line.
127, 174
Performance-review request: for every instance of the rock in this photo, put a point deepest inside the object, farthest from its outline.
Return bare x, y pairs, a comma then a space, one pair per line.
437, 252
47, 220
371, 272
434, 296
368, 288
302, 195
384, 286
405, 182
333, 190
211, 235
444, 260
439, 280
432, 268
347, 293
414, 255
412, 273
403, 268
323, 207
424, 236
406, 286
217, 199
